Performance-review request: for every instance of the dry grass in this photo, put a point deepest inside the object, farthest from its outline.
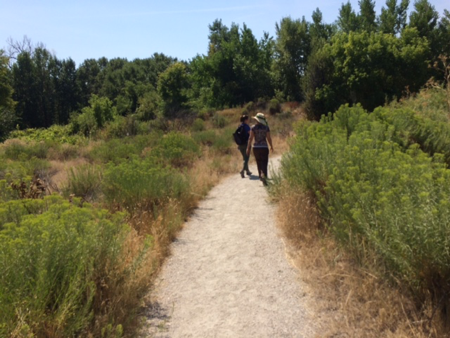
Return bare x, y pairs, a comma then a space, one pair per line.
349, 301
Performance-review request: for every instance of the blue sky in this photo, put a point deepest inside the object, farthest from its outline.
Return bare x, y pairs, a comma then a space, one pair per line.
132, 29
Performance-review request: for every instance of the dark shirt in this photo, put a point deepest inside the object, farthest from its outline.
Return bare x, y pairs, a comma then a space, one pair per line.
260, 131
246, 132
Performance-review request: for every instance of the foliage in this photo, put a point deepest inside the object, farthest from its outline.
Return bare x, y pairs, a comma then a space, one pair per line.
175, 149
274, 107
55, 134
368, 68
142, 184
56, 259
8, 117
380, 196
172, 86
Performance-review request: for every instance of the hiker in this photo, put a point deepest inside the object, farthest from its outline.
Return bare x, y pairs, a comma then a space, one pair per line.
260, 134
244, 135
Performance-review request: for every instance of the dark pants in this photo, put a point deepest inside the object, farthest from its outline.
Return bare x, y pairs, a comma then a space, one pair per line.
243, 149
262, 160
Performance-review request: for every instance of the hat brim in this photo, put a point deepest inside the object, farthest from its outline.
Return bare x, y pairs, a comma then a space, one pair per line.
264, 122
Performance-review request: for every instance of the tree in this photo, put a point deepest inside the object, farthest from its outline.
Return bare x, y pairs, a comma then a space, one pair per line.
172, 87
347, 20
393, 17
367, 16
8, 117
292, 49
367, 68
425, 19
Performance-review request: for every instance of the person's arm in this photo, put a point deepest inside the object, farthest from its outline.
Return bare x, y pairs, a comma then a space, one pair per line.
250, 141
269, 139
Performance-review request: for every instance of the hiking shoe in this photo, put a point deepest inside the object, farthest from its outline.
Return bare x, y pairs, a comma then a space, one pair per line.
242, 174
249, 172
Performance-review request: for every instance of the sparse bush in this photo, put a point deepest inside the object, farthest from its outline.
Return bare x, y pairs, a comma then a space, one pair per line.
206, 137
219, 121
274, 106
84, 182
198, 125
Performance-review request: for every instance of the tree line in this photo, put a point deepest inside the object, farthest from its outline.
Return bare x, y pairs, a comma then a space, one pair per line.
360, 58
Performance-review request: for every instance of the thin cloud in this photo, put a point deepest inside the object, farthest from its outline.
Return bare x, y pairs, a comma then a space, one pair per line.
188, 11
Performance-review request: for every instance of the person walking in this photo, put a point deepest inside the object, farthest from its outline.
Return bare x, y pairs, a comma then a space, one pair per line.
260, 135
243, 146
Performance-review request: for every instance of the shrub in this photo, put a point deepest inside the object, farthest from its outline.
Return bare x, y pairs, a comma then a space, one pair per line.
219, 121
84, 182
378, 195
198, 125
141, 184
176, 149
19, 150
61, 265
206, 137
274, 106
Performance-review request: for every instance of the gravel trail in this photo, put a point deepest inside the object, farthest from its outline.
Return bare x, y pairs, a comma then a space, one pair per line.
228, 275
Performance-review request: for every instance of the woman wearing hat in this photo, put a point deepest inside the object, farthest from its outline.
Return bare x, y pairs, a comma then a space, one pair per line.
260, 135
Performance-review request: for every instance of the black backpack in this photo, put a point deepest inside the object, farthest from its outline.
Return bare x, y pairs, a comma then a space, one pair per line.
239, 135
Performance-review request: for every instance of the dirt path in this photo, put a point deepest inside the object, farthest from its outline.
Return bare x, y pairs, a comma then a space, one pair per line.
228, 275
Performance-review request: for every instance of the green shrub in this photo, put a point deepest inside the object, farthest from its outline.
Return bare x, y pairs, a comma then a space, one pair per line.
85, 182
219, 121
54, 134
206, 137
57, 261
198, 125
378, 194
223, 141
274, 106
141, 184
176, 149
22, 151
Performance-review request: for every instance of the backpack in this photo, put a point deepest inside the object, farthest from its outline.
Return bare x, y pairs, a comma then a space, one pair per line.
239, 135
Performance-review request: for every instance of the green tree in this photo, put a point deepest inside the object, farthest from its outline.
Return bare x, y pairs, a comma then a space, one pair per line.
172, 87
367, 15
393, 17
347, 20
8, 117
367, 68
292, 49
425, 19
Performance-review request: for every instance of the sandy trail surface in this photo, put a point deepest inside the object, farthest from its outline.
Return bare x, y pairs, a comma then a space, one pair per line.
228, 275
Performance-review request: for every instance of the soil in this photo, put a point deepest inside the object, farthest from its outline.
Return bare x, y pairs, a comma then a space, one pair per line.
229, 274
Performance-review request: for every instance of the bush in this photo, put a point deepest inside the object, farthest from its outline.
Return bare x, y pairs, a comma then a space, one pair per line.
176, 149
61, 265
274, 107
84, 182
206, 137
198, 125
380, 197
141, 184
17, 150
219, 121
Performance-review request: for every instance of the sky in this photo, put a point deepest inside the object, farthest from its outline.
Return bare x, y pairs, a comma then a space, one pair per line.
131, 29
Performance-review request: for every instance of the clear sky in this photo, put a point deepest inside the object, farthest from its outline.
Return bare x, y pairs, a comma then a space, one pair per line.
132, 29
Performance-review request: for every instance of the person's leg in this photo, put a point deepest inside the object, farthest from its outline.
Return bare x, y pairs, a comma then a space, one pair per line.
243, 150
257, 153
264, 161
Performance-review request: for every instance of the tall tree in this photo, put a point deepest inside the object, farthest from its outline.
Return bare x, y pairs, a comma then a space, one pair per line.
367, 15
347, 20
8, 116
425, 19
292, 49
393, 17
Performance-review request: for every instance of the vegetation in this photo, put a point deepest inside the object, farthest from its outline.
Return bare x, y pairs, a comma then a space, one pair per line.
382, 189
102, 162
